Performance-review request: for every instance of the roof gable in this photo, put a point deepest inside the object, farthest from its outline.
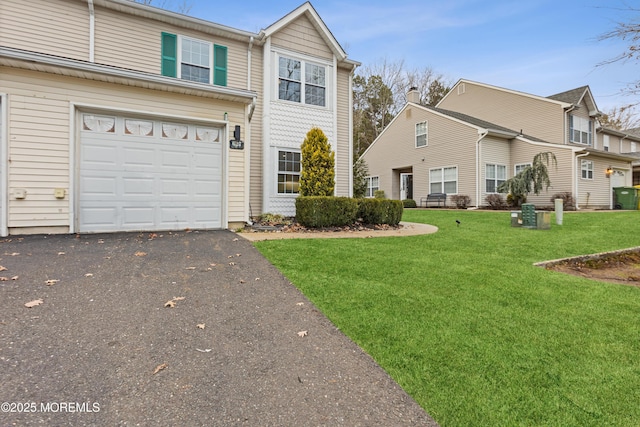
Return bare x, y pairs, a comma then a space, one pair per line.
576, 97
308, 10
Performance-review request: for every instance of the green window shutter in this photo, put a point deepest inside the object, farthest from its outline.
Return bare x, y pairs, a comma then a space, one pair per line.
219, 65
169, 55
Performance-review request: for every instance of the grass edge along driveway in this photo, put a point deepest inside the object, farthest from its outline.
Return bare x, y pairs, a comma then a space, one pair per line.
464, 322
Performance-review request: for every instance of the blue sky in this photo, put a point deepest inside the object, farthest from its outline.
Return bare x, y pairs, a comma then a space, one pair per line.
536, 46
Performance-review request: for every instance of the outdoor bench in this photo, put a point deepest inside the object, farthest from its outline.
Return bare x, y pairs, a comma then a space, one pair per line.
434, 198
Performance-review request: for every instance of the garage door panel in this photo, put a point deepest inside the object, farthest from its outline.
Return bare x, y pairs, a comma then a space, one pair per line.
137, 217
137, 187
100, 187
132, 183
138, 157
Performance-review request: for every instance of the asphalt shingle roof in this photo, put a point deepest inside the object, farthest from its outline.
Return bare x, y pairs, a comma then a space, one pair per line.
572, 96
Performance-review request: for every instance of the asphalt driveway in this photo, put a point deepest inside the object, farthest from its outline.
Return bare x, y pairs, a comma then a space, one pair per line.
182, 329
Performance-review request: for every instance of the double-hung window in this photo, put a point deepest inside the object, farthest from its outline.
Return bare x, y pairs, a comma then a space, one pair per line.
580, 130
421, 134
520, 167
194, 60
586, 166
301, 81
373, 185
605, 142
443, 180
495, 175
289, 167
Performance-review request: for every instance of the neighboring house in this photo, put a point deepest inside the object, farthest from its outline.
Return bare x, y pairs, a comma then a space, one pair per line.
479, 135
116, 116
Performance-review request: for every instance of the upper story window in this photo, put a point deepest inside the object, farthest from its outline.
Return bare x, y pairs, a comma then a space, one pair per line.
580, 130
605, 142
195, 60
421, 134
301, 81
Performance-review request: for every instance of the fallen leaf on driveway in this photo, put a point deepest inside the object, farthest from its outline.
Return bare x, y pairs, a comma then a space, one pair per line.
242, 281
14, 254
33, 303
15, 278
88, 275
178, 298
190, 268
140, 253
3, 279
51, 282
235, 240
61, 253
206, 350
170, 304
302, 334
257, 278
200, 325
300, 303
160, 368
232, 263
3, 268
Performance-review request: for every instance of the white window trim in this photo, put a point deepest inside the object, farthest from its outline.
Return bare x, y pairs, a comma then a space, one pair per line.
523, 165
179, 56
589, 130
277, 170
486, 166
426, 134
442, 181
369, 179
304, 59
587, 163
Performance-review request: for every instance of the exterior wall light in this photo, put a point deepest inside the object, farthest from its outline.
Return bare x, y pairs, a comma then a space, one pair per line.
609, 172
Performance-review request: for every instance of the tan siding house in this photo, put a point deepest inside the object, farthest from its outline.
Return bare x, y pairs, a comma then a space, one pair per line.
108, 123
490, 134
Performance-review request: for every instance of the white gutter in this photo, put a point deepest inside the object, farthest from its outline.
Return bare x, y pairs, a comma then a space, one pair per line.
575, 176
92, 31
566, 131
481, 135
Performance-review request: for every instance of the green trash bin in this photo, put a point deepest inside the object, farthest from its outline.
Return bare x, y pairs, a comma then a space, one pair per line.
626, 198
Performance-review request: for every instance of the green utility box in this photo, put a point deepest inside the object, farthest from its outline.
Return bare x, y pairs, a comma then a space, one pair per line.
528, 215
626, 198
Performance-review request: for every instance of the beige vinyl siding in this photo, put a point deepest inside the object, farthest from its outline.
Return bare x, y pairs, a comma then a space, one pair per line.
343, 162
39, 117
450, 143
132, 42
598, 188
560, 176
541, 118
301, 36
494, 151
53, 27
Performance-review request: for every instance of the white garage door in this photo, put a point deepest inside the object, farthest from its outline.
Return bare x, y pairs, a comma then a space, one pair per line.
149, 175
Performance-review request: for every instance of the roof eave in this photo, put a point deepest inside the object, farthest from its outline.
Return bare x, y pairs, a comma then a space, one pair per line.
26, 60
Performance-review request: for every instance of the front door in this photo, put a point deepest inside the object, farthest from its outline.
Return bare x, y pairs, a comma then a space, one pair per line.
406, 186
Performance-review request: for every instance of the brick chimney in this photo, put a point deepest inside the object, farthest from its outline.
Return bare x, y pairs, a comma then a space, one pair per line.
413, 95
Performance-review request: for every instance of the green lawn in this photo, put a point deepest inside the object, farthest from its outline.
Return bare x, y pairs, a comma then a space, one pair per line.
472, 330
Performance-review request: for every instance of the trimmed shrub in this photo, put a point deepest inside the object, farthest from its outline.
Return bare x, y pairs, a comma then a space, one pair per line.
495, 201
379, 194
380, 211
462, 201
409, 203
317, 177
326, 211
568, 201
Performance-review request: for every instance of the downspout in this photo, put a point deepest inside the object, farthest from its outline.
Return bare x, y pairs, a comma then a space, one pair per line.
353, 70
92, 31
247, 154
481, 136
575, 176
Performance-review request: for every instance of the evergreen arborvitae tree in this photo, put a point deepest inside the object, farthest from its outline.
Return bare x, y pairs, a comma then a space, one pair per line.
317, 177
